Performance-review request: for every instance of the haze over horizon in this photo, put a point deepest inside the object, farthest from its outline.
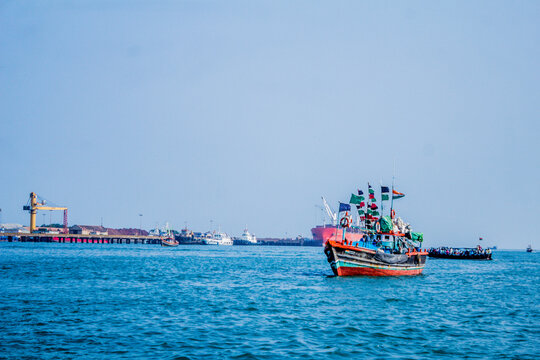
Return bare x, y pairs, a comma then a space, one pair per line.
246, 113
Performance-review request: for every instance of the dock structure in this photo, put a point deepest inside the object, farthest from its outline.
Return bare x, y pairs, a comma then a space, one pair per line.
82, 238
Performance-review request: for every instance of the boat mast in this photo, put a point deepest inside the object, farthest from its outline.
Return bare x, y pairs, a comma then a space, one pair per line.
382, 202
368, 208
337, 223
392, 193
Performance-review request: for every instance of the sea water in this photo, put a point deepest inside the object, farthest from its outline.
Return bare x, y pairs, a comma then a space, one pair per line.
258, 302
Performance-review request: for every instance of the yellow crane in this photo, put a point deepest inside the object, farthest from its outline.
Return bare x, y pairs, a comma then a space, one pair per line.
35, 205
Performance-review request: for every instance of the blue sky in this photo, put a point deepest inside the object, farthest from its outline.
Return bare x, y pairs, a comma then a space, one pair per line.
247, 112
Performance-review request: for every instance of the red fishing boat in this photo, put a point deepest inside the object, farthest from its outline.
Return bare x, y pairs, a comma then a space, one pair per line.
387, 246
169, 240
361, 258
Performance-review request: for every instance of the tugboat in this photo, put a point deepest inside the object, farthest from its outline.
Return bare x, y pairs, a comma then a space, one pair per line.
529, 248
387, 247
461, 253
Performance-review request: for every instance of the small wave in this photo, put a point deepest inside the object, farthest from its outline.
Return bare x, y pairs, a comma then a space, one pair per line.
392, 300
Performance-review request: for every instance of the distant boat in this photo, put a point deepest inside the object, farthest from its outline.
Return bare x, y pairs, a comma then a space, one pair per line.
218, 238
529, 248
188, 237
246, 239
169, 240
460, 253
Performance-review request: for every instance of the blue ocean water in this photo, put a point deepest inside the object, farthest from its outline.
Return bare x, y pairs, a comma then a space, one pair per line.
130, 301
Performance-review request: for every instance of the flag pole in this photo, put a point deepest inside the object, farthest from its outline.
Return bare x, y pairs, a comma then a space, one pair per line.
392, 193
382, 206
337, 220
368, 208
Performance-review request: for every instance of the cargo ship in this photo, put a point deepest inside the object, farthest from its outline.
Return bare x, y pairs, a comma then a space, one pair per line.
323, 233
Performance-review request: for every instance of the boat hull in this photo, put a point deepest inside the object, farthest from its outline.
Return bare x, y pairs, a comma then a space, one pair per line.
348, 260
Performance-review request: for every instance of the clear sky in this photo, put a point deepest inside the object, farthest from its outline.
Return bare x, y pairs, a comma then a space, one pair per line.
246, 112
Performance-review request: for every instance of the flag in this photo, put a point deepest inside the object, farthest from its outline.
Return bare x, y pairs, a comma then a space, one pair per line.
384, 193
372, 196
344, 207
362, 204
361, 212
376, 213
374, 207
370, 189
360, 192
397, 194
356, 199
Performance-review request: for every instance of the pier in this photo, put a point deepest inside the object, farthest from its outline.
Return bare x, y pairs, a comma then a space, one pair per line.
82, 238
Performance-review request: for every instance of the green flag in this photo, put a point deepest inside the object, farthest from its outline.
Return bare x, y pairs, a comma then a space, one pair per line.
356, 199
385, 197
361, 212
376, 213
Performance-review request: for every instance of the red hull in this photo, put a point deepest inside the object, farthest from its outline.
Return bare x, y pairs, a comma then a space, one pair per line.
350, 271
329, 232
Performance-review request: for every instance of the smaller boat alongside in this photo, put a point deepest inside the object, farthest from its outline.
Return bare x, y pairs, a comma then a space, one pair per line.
529, 249
461, 253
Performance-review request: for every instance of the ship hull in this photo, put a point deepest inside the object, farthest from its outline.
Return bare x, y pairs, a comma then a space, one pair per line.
321, 234
348, 260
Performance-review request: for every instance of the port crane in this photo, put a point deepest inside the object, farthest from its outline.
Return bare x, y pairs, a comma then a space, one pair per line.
36, 205
329, 211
